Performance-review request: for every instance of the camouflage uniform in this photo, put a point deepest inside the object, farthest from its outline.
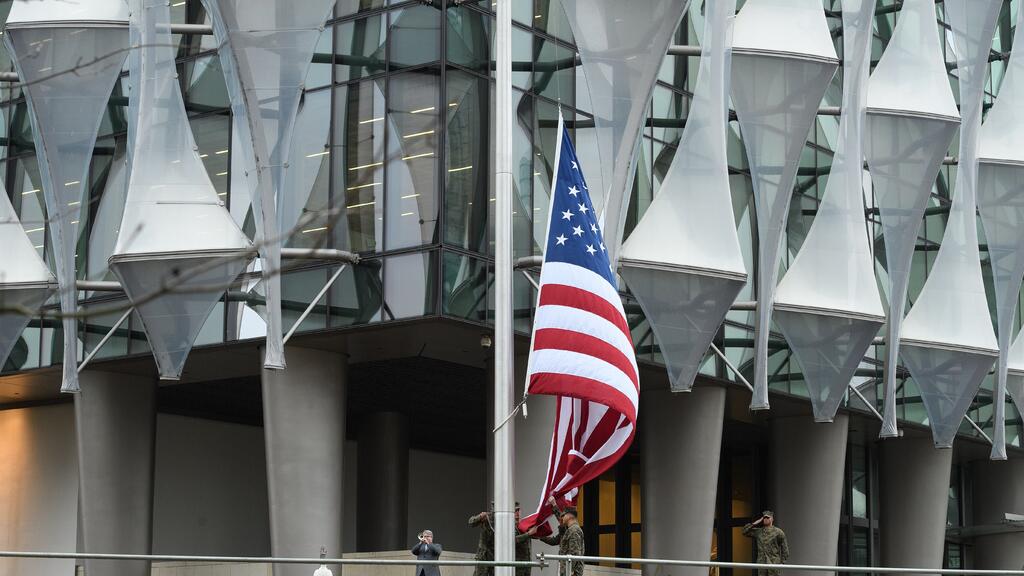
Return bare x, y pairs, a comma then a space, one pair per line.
523, 550
772, 547
569, 540
485, 546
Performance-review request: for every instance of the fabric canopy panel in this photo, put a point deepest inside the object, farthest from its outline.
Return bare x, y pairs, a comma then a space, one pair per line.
621, 47
911, 118
68, 57
25, 281
266, 47
173, 279
947, 336
683, 260
1001, 205
783, 60
827, 304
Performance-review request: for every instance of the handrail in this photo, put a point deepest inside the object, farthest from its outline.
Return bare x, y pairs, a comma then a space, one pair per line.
803, 567
266, 560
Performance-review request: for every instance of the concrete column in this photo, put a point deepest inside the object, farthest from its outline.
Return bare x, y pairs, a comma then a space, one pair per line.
681, 442
304, 431
998, 489
382, 513
913, 496
115, 420
808, 461
533, 445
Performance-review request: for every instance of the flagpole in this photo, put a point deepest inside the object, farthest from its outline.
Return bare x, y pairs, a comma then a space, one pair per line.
504, 372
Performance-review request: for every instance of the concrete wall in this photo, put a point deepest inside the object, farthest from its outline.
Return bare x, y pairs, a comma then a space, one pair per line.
211, 491
211, 488
38, 487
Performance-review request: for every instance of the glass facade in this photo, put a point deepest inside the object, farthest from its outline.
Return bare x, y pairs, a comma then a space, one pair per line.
392, 159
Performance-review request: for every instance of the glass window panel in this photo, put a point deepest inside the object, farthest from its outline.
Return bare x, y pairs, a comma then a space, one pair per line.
468, 168
359, 48
27, 199
356, 294
357, 150
202, 85
212, 331
348, 7
742, 551
549, 16
412, 134
464, 287
859, 499
554, 73
213, 134
138, 343
319, 73
742, 488
469, 39
415, 36
606, 499
410, 287
96, 327
298, 288
304, 212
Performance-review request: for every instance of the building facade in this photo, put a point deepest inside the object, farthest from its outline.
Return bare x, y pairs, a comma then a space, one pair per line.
388, 386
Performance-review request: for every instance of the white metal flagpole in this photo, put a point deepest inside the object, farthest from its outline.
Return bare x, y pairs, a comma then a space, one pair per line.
504, 372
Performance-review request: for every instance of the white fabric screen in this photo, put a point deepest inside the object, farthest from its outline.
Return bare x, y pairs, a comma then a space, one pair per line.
910, 120
621, 47
173, 279
783, 61
683, 261
266, 50
66, 110
827, 304
947, 338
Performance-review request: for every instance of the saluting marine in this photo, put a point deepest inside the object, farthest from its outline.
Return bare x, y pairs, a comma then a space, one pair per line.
772, 547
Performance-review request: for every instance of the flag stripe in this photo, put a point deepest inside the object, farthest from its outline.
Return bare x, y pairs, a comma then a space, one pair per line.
572, 275
575, 320
558, 383
606, 377
569, 340
561, 295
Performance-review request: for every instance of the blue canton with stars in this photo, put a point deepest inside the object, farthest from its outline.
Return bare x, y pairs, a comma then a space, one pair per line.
574, 235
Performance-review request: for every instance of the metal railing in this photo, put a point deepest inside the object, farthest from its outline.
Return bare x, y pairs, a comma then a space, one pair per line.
539, 563
801, 567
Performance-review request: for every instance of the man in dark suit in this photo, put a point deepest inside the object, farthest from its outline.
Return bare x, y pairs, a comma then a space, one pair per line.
427, 550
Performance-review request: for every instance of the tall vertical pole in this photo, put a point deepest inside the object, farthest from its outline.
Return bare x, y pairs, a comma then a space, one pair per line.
504, 372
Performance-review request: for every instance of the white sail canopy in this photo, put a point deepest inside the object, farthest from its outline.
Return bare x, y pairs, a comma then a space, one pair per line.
68, 54
1001, 205
25, 281
911, 118
173, 279
683, 260
621, 47
266, 47
827, 304
947, 339
783, 60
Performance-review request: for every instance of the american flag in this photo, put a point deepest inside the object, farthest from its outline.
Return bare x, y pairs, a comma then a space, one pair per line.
582, 349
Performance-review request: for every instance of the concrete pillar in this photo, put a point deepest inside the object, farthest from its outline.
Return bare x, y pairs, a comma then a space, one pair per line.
808, 461
304, 429
533, 445
998, 489
115, 420
681, 443
913, 496
382, 513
